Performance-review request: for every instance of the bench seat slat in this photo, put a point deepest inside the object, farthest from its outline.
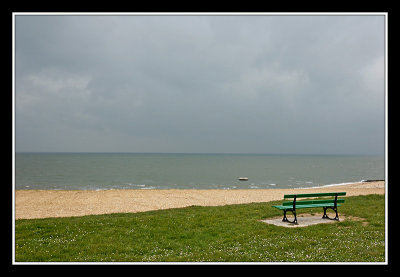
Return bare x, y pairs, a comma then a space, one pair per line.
306, 206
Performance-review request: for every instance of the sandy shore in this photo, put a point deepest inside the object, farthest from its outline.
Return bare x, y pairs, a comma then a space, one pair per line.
59, 203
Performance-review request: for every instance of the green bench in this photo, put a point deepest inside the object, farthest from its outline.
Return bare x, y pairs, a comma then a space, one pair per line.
296, 204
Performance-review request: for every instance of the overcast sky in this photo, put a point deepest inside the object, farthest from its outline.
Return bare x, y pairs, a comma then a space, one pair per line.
206, 84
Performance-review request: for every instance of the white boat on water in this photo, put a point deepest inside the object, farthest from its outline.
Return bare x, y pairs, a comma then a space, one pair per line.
243, 179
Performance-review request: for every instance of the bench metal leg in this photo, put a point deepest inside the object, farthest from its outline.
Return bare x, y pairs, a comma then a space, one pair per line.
327, 217
286, 219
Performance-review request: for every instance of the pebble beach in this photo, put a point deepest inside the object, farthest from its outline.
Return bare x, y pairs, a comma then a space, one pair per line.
66, 203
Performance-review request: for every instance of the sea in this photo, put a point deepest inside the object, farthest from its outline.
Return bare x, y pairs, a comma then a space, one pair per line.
105, 171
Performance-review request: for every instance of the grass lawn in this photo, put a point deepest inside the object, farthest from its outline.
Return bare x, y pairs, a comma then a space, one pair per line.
231, 233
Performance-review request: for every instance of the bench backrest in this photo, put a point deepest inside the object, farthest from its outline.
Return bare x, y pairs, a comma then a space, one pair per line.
313, 201
308, 202
307, 195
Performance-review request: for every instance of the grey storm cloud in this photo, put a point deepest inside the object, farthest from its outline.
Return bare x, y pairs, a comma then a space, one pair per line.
200, 83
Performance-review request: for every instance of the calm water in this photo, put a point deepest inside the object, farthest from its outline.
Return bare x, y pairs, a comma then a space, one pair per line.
86, 171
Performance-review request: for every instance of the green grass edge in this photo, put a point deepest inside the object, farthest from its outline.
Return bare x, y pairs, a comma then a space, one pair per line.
231, 233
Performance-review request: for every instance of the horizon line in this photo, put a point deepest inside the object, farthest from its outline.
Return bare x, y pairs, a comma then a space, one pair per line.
194, 153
